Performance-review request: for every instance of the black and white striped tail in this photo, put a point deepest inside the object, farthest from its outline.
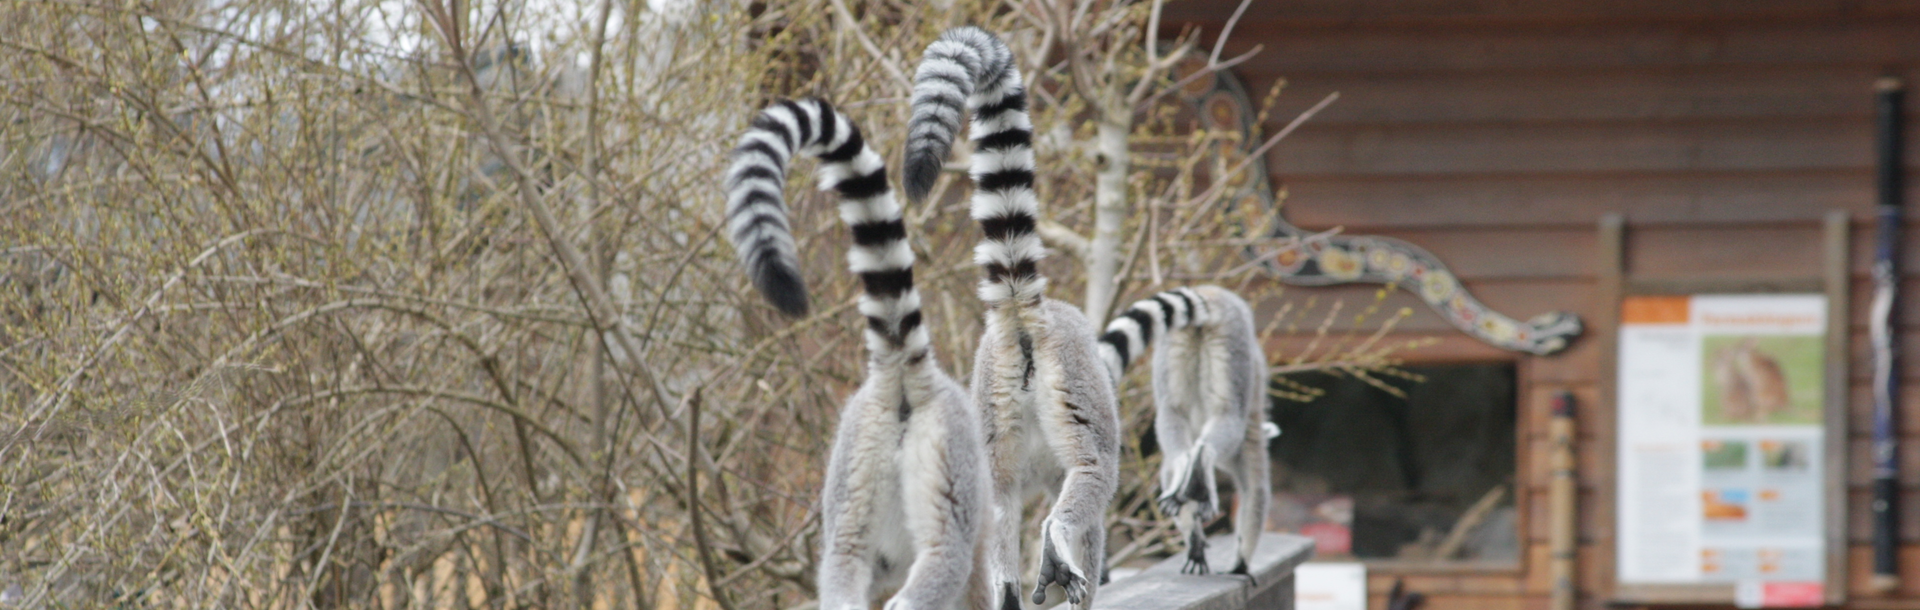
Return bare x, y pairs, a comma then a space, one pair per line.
971, 69
757, 217
1133, 331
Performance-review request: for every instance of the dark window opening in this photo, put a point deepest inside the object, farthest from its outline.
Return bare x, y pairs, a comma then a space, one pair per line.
1427, 477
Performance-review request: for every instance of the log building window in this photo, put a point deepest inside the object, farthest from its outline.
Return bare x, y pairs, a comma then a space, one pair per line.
1423, 477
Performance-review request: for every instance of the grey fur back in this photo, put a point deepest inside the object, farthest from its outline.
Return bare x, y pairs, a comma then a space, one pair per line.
1209, 392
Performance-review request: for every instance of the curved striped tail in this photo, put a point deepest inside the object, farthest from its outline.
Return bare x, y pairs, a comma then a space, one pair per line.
1133, 331
970, 68
757, 217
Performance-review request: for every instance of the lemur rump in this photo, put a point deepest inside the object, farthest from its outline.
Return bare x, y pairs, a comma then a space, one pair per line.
1209, 398
906, 498
1051, 422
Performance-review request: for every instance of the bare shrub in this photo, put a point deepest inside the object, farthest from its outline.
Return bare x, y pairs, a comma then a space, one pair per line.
369, 303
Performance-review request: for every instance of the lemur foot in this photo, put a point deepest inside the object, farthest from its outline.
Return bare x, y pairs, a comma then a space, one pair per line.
1056, 568
1199, 489
1193, 485
1240, 569
1009, 596
1169, 505
1196, 553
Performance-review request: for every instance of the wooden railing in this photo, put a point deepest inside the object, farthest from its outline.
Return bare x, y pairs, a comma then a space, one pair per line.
1163, 587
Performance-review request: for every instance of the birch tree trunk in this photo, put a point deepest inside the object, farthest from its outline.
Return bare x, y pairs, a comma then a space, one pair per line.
1109, 209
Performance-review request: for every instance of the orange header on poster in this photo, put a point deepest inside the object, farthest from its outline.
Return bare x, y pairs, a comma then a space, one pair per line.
1655, 310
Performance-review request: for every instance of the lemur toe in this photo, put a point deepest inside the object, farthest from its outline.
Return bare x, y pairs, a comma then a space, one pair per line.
1196, 554
1197, 568
1169, 505
1040, 586
1076, 589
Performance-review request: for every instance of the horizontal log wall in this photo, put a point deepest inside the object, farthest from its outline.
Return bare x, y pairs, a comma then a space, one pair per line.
1496, 134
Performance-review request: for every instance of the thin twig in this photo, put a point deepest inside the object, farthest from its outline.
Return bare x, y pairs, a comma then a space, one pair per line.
693, 502
493, 522
1208, 197
860, 34
1220, 42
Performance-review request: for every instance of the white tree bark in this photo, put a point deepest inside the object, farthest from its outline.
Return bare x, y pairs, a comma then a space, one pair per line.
1109, 210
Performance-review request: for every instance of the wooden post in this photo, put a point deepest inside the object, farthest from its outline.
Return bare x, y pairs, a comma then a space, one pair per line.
1561, 541
1612, 270
1839, 288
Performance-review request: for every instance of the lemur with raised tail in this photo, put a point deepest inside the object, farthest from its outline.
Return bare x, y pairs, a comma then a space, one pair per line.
1209, 399
907, 495
1051, 421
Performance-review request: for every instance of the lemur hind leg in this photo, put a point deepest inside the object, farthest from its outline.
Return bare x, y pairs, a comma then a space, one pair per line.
1174, 433
1081, 423
1073, 535
845, 579
943, 501
1254, 486
1073, 541
1193, 484
1003, 553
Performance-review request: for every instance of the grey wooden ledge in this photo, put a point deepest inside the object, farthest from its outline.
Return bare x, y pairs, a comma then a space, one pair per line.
1163, 587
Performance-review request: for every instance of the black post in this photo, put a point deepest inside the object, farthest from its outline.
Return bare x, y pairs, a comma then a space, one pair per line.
1884, 336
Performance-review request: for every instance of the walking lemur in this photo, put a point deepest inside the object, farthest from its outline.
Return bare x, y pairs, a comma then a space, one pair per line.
1209, 399
1051, 422
907, 493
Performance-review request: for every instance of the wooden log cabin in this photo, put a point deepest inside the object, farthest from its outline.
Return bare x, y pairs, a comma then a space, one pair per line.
1500, 136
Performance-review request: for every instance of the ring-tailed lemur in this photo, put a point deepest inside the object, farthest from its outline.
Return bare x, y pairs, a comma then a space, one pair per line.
1052, 424
1209, 399
907, 492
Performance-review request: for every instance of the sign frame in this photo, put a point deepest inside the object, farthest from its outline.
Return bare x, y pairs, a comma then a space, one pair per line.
1616, 286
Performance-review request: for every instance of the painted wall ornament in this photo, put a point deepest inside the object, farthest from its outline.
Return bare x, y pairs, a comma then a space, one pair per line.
1220, 100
